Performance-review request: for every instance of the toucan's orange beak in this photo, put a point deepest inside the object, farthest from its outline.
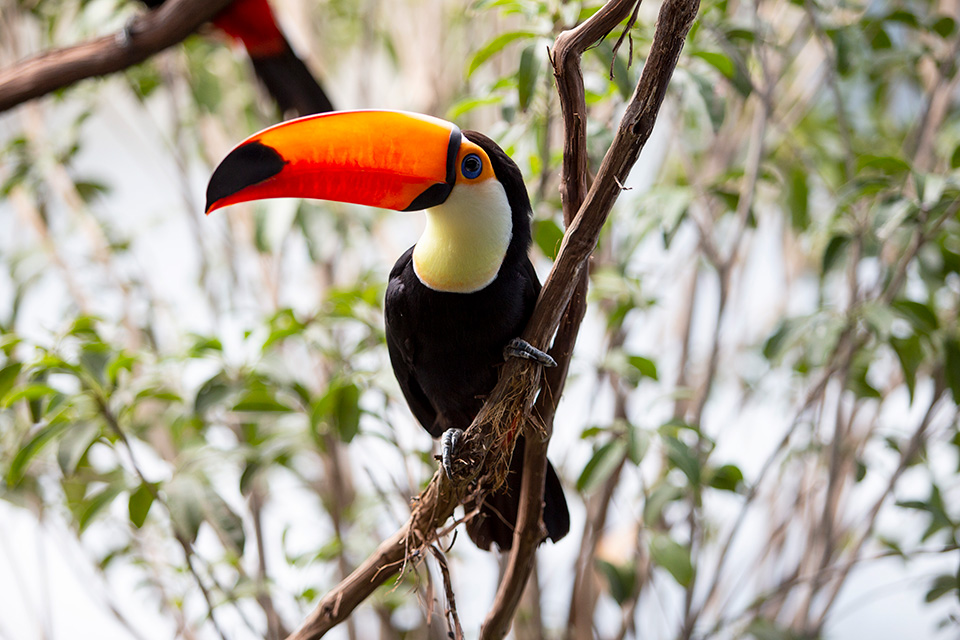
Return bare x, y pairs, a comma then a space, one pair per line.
388, 159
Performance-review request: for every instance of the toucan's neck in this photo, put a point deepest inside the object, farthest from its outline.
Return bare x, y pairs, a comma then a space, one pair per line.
466, 239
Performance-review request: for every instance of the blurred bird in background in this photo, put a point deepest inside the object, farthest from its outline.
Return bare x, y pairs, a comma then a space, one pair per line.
284, 75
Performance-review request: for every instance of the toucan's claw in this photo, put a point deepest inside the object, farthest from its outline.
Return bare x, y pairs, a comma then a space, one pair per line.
520, 348
448, 446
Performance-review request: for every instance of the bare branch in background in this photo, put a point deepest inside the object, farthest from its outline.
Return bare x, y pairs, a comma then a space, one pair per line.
144, 36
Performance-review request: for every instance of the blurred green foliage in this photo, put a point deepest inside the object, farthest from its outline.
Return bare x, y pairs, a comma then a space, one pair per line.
815, 123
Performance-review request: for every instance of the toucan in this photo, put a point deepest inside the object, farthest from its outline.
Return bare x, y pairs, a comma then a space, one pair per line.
284, 75
457, 300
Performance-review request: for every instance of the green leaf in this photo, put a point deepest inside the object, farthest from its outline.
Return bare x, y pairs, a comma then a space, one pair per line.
944, 26
467, 105
119, 362
910, 354
84, 327
729, 68
601, 465
684, 458
797, 199
857, 377
861, 472
494, 46
658, 499
761, 629
184, 500
729, 477
941, 586
638, 441
952, 367
673, 557
93, 360
74, 445
227, 524
211, 393
776, 344
548, 235
29, 392
621, 580
41, 438
90, 189
920, 316
833, 252
283, 325
260, 398
93, 505
8, 376
203, 345
718, 61
644, 366
140, 502
880, 40
348, 412
340, 408
527, 76
904, 17
888, 165
937, 510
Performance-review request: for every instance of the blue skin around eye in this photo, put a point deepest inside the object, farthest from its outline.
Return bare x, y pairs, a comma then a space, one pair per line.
471, 169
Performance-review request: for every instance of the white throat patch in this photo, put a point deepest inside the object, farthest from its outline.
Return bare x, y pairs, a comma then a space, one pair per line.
466, 238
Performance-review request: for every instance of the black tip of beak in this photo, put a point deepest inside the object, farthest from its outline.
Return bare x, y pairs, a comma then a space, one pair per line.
245, 166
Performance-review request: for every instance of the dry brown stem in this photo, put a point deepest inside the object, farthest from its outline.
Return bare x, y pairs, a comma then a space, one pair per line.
144, 36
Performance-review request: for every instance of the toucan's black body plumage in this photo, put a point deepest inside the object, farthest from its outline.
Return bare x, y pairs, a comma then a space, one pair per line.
446, 349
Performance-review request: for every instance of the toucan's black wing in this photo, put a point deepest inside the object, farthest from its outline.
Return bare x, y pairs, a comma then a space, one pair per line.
533, 286
401, 344
419, 404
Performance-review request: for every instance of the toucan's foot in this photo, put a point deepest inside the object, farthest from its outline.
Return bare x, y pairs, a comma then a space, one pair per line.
520, 348
448, 446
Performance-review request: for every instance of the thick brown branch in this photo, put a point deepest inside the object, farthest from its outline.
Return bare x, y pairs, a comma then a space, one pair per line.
144, 36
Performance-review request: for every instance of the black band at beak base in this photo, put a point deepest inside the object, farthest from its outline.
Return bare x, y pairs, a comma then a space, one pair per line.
438, 193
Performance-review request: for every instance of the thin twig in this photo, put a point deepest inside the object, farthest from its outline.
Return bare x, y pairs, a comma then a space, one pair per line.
451, 612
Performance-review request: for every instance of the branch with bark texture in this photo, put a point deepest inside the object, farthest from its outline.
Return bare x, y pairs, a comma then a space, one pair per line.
486, 444
144, 36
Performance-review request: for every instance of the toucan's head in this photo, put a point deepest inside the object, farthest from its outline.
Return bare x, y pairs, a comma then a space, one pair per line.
477, 205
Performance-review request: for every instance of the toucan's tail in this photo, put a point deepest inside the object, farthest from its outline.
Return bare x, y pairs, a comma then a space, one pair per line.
283, 74
290, 83
498, 514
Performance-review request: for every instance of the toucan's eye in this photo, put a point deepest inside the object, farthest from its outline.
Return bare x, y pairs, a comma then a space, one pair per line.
471, 166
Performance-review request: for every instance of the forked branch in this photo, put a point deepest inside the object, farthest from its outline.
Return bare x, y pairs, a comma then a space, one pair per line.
487, 443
